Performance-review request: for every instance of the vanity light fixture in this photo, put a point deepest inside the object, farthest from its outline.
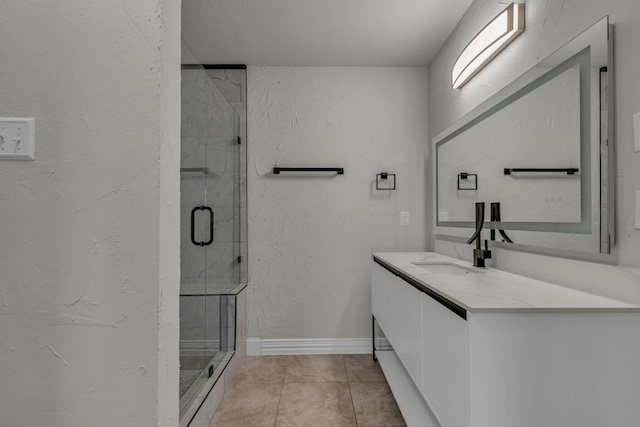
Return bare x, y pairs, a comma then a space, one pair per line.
485, 45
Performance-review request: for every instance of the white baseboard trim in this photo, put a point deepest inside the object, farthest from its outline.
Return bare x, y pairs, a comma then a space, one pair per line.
263, 347
253, 347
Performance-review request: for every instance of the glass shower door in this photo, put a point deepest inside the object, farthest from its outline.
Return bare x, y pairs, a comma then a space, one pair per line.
208, 254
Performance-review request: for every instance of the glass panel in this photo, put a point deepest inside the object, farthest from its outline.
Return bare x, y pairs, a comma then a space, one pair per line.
193, 225
213, 224
232, 85
221, 188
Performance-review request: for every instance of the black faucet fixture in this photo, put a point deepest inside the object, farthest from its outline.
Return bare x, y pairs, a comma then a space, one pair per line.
479, 254
496, 223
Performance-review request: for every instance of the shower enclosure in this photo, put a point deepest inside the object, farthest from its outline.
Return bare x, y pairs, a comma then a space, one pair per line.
213, 231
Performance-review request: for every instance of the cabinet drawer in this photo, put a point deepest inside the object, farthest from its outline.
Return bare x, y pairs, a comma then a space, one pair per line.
445, 367
384, 301
409, 344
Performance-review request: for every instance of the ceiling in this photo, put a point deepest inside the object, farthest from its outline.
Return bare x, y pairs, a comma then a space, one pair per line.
318, 32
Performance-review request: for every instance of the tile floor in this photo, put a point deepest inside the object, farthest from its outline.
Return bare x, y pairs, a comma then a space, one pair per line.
309, 390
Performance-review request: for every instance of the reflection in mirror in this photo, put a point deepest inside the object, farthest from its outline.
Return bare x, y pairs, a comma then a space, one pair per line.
540, 148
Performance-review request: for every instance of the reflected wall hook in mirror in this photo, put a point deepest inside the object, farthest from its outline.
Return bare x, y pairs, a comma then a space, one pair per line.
465, 177
568, 171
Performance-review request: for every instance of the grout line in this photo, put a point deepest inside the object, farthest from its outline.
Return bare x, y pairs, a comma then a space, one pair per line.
353, 406
275, 421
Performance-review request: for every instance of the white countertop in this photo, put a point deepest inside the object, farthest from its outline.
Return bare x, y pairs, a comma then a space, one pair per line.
491, 290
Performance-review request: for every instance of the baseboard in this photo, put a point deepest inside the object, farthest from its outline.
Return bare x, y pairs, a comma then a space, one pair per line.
263, 347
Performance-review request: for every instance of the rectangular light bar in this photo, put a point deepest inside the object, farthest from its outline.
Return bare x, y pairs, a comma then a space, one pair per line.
485, 45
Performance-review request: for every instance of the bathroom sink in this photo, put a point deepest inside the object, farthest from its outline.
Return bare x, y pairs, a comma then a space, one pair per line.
443, 267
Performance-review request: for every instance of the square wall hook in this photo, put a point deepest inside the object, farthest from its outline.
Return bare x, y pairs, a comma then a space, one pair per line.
467, 181
385, 181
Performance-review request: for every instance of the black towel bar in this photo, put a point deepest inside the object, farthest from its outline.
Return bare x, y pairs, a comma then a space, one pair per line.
569, 171
277, 170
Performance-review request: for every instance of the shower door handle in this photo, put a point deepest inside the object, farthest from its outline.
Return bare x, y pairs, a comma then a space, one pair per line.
193, 227
210, 241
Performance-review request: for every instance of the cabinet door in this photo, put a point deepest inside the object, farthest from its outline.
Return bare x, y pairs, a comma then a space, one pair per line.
409, 342
445, 355
384, 301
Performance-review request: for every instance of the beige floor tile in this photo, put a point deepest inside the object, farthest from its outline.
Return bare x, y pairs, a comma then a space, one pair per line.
315, 405
374, 405
362, 368
315, 368
262, 370
248, 405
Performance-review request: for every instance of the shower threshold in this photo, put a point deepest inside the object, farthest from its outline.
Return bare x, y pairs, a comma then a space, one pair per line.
195, 383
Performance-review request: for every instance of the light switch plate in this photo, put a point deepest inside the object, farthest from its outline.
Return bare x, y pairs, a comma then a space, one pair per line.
637, 213
17, 138
636, 132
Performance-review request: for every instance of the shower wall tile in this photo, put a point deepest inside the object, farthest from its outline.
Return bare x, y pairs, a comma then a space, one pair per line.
199, 318
231, 84
192, 153
196, 103
220, 262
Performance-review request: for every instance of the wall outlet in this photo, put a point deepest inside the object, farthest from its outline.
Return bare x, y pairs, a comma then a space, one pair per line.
404, 219
17, 138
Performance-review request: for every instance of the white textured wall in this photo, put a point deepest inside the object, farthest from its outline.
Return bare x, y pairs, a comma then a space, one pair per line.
311, 237
169, 221
89, 269
549, 24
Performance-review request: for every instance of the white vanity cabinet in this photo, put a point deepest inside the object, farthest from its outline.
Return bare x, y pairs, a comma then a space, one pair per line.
384, 301
445, 361
430, 341
508, 362
408, 348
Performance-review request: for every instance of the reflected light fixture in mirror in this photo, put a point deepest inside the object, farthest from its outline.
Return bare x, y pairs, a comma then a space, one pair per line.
485, 45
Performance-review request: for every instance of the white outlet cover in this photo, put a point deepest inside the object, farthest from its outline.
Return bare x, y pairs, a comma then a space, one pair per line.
17, 138
636, 132
404, 219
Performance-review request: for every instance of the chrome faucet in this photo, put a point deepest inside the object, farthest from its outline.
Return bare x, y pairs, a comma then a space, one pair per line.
479, 254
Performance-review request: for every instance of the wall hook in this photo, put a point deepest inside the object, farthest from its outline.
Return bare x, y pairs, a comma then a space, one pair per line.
388, 178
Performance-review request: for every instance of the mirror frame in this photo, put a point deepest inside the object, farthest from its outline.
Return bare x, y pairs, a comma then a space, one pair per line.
457, 231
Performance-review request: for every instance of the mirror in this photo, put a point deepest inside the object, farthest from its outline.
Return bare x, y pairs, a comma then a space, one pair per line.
543, 148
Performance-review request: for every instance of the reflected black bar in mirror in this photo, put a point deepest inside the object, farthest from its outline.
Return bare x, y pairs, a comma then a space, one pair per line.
277, 170
569, 171
197, 170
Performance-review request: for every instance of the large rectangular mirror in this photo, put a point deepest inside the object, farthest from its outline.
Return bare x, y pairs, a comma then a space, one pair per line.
542, 148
